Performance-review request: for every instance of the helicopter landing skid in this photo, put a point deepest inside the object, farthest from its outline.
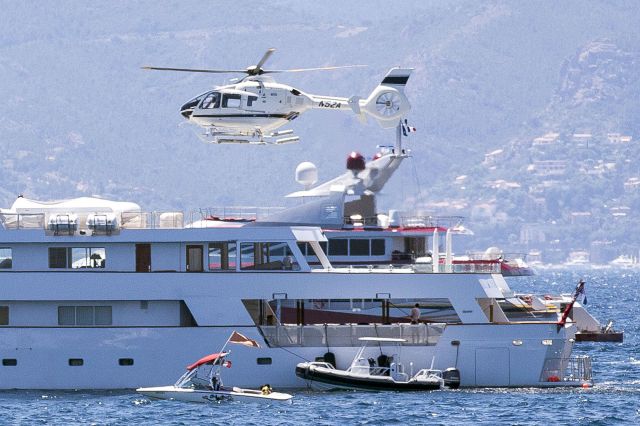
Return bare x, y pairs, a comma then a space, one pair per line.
257, 138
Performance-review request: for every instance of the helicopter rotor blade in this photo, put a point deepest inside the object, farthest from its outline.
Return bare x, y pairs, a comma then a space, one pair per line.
193, 70
264, 59
313, 69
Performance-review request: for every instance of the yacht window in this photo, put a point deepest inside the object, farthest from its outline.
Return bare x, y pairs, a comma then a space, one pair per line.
6, 259
264, 361
222, 256
87, 257
9, 362
303, 248
377, 247
77, 257
359, 247
84, 315
230, 101
212, 100
102, 315
66, 315
57, 257
125, 362
324, 245
76, 362
251, 100
266, 256
338, 247
4, 315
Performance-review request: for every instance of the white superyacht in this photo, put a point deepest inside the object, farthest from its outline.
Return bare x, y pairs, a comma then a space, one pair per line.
102, 295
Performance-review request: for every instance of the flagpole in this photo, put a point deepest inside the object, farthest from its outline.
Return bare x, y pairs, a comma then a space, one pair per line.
217, 371
565, 314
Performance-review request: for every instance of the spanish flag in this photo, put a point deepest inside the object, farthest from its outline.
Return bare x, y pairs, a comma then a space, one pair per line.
243, 340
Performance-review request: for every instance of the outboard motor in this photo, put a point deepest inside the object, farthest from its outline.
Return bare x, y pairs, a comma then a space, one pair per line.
384, 361
451, 377
330, 358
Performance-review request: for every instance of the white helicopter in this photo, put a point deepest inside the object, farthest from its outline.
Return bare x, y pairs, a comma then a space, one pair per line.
252, 109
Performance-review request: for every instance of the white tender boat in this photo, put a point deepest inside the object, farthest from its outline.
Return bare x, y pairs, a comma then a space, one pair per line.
203, 383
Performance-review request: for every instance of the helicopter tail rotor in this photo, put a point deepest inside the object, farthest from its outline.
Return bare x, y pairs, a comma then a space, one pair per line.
387, 103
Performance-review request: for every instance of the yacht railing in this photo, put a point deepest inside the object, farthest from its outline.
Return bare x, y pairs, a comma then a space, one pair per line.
495, 257
475, 267
409, 221
431, 221
574, 369
230, 213
348, 334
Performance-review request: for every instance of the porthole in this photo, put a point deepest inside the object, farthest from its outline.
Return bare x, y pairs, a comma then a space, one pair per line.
76, 362
9, 362
517, 342
264, 361
125, 362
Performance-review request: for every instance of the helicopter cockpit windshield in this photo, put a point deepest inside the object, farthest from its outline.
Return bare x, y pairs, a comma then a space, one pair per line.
207, 100
211, 100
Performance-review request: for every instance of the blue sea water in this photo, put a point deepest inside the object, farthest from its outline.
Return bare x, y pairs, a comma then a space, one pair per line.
615, 398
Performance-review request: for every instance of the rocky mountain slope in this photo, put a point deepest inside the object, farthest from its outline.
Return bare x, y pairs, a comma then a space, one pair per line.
79, 117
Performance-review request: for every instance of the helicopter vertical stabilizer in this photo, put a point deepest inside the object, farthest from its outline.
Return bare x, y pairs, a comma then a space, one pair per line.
387, 103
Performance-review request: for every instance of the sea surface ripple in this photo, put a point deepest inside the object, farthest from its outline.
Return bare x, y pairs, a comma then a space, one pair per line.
615, 398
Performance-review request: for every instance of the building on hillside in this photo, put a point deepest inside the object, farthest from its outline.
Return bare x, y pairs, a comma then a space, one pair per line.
632, 184
493, 158
548, 167
618, 138
547, 139
501, 184
532, 233
620, 212
581, 218
581, 139
483, 212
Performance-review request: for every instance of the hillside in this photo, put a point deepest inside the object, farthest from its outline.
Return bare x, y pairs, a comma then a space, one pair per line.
81, 118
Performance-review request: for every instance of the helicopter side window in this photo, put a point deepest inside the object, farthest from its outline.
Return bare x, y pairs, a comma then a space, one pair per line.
231, 101
211, 101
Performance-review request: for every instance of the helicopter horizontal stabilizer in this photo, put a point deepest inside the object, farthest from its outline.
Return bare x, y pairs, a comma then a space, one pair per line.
354, 103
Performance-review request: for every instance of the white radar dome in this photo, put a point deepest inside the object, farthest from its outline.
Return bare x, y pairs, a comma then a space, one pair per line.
306, 174
492, 253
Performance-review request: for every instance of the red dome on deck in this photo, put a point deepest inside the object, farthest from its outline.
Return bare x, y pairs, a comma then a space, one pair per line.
355, 162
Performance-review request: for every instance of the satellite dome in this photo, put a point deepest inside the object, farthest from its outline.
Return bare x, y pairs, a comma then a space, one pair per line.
492, 253
355, 162
306, 174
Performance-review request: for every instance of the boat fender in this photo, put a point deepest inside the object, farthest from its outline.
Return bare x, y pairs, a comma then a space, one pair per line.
330, 358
